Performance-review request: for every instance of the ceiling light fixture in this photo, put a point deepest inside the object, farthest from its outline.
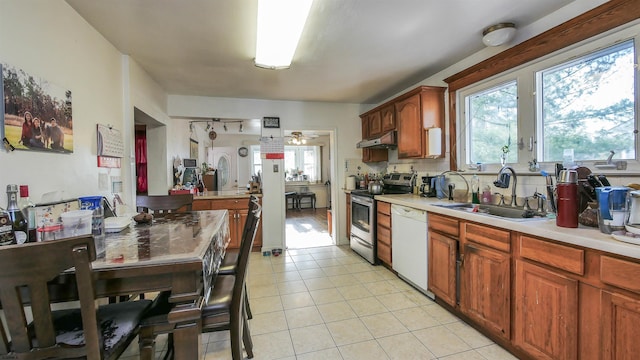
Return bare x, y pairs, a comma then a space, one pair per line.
280, 24
499, 34
297, 138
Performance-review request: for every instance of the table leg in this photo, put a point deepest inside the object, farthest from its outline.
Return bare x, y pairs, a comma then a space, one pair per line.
188, 342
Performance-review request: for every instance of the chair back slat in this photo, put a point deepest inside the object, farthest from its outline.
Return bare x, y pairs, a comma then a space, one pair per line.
161, 204
249, 235
32, 265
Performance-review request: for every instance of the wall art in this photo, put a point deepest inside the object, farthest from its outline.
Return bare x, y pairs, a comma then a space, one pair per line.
37, 113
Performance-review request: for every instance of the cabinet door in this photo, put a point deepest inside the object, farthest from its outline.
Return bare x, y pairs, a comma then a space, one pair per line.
388, 118
546, 323
365, 127
486, 288
375, 124
375, 155
442, 266
409, 125
620, 332
233, 230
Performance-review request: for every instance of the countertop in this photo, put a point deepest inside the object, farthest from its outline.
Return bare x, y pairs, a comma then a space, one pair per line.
225, 194
546, 228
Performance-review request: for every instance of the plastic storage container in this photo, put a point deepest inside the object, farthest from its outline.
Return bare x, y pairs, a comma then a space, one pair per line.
94, 203
76, 222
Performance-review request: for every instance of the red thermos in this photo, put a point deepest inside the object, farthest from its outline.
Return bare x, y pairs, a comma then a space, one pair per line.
567, 190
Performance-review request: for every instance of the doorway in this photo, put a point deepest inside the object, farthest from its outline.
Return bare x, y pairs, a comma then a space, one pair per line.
308, 169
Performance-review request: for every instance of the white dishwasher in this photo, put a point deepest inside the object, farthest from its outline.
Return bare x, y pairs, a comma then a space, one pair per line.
409, 246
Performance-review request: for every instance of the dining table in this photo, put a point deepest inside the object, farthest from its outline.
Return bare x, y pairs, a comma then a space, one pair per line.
176, 252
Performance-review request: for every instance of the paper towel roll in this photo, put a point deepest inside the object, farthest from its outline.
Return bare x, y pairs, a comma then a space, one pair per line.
435, 142
351, 183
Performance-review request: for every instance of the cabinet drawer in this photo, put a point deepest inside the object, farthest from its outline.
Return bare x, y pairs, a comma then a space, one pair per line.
384, 253
233, 204
443, 224
384, 235
201, 205
494, 238
620, 273
552, 254
384, 208
384, 220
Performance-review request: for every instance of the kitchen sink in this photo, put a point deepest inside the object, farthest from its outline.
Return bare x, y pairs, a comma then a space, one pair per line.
511, 213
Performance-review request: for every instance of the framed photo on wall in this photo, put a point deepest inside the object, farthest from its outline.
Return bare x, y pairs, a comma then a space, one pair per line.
36, 120
193, 149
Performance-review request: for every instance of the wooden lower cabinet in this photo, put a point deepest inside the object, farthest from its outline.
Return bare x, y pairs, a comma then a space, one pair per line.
443, 252
383, 232
546, 312
238, 209
485, 294
620, 331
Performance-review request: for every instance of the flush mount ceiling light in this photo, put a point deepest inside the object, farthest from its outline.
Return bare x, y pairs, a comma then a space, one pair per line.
499, 34
297, 138
280, 24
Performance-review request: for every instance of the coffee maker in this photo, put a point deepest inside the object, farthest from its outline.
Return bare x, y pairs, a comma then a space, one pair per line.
428, 187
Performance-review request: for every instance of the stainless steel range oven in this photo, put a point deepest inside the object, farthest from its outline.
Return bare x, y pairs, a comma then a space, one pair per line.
363, 226
363, 213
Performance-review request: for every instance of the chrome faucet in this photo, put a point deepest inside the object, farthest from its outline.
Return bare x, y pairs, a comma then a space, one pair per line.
503, 182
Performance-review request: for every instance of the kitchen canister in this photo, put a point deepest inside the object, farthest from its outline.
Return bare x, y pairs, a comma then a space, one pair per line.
350, 183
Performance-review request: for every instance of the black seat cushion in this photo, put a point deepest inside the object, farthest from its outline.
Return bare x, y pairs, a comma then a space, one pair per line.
229, 262
118, 324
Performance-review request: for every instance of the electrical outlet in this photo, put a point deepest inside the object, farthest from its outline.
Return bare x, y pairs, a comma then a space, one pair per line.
275, 168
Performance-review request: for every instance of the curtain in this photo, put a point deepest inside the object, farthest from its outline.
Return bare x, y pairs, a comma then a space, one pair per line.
141, 162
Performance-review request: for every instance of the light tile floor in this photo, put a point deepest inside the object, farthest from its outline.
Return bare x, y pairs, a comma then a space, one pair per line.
328, 303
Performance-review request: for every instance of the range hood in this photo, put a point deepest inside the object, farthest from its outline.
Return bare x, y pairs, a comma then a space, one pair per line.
385, 141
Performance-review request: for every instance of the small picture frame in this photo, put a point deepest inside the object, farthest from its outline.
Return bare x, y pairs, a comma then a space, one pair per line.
271, 122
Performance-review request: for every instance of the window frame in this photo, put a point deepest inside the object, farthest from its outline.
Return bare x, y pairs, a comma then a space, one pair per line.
525, 75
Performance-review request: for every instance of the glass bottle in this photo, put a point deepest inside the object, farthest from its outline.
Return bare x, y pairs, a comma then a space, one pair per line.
28, 211
475, 189
18, 221
6, 230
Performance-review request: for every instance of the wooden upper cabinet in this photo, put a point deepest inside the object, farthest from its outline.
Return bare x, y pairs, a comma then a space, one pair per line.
388, 118
410, 130
421, 110
375, 124
365, 126
372, 127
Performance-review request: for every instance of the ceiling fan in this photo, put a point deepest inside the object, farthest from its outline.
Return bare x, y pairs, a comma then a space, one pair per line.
297, 138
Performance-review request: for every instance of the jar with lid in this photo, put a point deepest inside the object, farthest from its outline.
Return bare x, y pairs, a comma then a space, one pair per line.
567, 190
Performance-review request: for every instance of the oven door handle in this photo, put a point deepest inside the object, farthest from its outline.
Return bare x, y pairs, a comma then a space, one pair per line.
362, 201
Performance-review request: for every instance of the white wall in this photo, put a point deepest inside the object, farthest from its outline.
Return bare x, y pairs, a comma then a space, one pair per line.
47, 38
50, 40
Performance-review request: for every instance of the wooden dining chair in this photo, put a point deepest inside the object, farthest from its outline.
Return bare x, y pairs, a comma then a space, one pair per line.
86, 332
224, 310
229, 264
162, 204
